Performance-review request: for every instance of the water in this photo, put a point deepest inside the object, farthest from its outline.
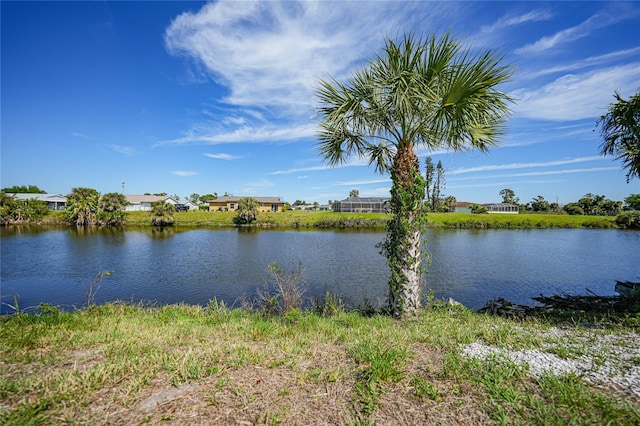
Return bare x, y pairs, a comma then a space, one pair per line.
193, 266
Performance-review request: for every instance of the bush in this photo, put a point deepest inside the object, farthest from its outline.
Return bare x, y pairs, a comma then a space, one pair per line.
629, 220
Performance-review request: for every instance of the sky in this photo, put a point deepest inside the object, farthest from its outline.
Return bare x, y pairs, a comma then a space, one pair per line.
196, 97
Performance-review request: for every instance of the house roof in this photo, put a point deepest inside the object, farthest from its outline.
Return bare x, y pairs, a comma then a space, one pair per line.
236, 199
365, 200
42, 197
135, 199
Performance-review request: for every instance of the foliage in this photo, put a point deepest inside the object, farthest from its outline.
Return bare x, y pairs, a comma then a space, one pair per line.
162, 213
594, 205
83, 206
509, 196
629, 220
539, 204
285, 291
12, 210
420, 93
633, 202
620, 131
111, 208
23, 189
478, 209
354, 193
247, 211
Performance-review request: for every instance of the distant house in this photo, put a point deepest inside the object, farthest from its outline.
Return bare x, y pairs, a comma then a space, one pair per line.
503, 208
266, 204
143, 202
462, 207
191, 205
362, 205
54, 201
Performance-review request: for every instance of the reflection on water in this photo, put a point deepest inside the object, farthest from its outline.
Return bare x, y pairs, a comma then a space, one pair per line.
171, 265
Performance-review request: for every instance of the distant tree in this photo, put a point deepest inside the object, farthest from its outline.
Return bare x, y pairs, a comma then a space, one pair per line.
509, 197
194, 198
354, 193
539, 204
208, 197
247, 211
299, 203
429, 175
633, 202
162, 213
316, 205
573, 209
176, 197
111, 207
592, 204
82, 206
12, 210
450, 203
24, 189
620, 131
438, 187
160, 194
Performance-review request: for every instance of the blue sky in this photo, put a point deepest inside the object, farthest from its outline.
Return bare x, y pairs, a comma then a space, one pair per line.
196, 97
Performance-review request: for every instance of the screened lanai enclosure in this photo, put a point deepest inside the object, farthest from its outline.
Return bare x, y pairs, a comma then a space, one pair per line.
362, 205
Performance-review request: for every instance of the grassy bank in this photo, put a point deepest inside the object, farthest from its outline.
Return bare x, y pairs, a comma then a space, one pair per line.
310, 220
123, 364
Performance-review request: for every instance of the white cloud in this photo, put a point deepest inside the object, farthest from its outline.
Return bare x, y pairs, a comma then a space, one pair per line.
184, 173
244, 134
222, 156
585, 28
577, 96
583, 63
511, 20
513, 166
125, 150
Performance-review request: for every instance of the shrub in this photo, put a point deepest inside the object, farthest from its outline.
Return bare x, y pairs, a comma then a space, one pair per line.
629, 220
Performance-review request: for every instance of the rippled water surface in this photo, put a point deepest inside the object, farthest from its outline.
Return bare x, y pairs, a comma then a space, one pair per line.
195, 265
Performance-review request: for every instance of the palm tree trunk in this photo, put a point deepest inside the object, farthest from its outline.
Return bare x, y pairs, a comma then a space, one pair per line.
403, 245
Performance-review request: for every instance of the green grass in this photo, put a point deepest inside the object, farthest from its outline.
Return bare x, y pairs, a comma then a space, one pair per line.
321, 220
106, 363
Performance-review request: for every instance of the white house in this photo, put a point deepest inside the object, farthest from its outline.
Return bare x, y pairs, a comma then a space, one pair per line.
143, 202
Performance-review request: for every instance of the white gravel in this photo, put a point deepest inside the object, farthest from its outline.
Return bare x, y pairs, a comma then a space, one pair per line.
599, 357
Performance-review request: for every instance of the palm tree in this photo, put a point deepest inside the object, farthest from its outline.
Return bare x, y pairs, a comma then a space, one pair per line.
429, 94
112, 207
247, 211
82, 206
620, 130
162, 213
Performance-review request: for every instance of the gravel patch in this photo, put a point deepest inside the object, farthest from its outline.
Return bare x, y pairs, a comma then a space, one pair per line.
610, 360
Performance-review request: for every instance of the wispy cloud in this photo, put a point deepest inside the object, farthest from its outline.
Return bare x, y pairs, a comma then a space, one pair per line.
513, 20
363, 182
577, 96
513, 166
256, 187
585, 28
222, 156
125, 150
582, 63
244, 134
184, 173
82, 136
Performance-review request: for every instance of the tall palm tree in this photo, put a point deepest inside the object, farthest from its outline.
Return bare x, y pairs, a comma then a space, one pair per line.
620, 129
247, 210
420, 93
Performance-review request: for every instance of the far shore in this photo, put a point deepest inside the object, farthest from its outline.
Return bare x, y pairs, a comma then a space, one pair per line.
331, 220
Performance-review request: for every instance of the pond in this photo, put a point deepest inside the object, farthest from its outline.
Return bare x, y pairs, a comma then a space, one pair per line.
195, 265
